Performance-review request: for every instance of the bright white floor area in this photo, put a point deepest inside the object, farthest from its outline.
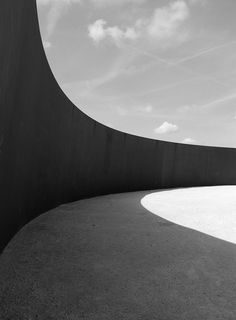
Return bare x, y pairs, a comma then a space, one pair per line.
211, 210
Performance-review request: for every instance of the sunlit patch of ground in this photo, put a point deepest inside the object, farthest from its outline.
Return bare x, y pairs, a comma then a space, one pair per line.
211, 210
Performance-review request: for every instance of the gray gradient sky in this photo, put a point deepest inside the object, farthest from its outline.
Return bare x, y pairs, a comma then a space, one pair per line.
156, 68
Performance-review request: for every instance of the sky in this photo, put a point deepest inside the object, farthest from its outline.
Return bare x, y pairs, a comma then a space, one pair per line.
163, 69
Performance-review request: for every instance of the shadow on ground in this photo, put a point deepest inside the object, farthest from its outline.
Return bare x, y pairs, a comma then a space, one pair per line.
109, 258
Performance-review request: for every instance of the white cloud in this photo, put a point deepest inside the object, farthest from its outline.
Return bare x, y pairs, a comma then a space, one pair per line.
166, 127
148, 108
142, 110
183, 109
189, 141
189, 108
167, 20
47, 44
163, 26
123, 110
98, 31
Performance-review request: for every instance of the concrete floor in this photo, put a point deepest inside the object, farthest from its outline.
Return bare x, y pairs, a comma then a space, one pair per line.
109, 258
198, 208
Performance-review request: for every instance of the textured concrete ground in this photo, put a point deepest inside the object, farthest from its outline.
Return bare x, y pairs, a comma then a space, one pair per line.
108, 258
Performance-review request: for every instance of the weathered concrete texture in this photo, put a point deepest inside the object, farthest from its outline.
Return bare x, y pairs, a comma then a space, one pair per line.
109, 258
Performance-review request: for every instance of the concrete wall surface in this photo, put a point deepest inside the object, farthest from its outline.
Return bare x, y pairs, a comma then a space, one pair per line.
52, 153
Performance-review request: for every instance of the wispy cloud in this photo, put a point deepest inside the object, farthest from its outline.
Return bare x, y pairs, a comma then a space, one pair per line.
166, 127
148, 108
98, 31
189, 141
166, 21
115, 2
66, 2
87, 87
56, 10
163, 26
142, 110
47, 44
198, 2
121, 111
139, 111
184, 109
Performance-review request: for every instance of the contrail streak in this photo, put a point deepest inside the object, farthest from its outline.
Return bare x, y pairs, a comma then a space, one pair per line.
176, 65
214, 103
141, 94
170, 86
203, 52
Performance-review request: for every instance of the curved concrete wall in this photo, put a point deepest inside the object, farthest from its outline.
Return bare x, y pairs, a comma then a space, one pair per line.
51, 152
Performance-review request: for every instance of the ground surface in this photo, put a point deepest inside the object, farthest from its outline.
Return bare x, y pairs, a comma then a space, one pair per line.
109, 258
211, 210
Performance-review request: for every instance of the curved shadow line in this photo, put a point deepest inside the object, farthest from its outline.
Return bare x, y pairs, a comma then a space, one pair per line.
89, 117
172, 215
53, 153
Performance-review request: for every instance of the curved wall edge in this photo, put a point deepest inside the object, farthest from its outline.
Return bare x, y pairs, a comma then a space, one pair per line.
52, 153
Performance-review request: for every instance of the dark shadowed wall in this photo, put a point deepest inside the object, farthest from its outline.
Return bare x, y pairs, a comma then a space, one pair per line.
51, 152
